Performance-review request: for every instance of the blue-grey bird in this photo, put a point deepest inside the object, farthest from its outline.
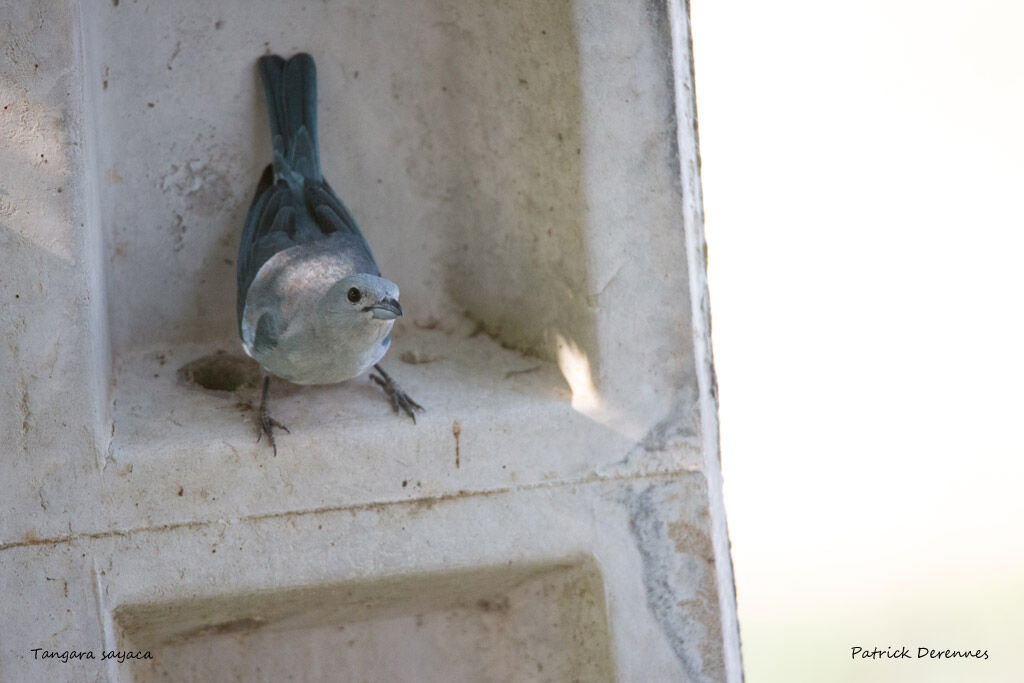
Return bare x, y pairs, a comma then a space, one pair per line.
312, 305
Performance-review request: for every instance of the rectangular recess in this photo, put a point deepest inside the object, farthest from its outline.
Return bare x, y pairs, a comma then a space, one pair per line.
519, 622
452, 130
513, 166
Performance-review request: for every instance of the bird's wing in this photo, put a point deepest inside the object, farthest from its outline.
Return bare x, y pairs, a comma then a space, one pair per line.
332, 218
278, 219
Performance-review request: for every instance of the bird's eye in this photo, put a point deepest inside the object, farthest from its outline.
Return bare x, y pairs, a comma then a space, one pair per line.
354, 295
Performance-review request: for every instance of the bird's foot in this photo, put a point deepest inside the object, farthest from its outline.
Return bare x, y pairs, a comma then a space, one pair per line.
399, 399
265, 424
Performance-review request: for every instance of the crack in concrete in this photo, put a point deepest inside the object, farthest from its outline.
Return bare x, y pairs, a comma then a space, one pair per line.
424, 501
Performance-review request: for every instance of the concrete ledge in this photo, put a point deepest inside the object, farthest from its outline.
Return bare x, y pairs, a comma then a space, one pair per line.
641, 547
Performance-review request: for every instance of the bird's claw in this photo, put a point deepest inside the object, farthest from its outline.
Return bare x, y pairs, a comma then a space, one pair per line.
399, 399
266, 424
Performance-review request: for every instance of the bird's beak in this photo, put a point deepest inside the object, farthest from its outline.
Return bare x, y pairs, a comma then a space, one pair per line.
385, 309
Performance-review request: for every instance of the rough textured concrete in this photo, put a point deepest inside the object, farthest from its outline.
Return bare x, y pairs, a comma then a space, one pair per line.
528, 175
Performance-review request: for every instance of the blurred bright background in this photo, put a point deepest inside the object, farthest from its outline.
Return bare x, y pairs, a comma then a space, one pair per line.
863, 169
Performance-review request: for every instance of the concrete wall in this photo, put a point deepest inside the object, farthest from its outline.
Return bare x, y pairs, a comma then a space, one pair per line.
527, 173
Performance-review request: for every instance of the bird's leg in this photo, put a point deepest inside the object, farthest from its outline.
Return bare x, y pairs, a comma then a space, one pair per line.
399, 399
266, 423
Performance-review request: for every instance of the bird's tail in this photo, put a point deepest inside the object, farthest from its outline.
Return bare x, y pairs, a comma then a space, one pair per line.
290, 90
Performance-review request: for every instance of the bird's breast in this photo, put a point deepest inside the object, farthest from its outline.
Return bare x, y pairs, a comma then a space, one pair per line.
309, 345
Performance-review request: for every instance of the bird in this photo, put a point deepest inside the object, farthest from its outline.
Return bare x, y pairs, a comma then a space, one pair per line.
313, 307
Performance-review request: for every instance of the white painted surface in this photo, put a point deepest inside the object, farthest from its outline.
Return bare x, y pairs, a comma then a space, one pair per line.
516, 173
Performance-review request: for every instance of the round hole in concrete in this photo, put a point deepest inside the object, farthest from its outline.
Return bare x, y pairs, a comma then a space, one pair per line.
221, 372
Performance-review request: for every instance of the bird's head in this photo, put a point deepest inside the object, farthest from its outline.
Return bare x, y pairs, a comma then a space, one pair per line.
364, 297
